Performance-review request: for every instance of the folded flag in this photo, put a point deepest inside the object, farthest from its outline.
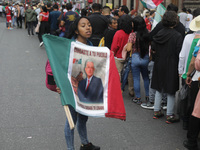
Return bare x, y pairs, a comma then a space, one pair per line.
151, 4
87, 77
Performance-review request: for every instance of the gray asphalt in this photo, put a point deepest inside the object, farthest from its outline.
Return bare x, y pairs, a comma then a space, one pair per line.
32, 118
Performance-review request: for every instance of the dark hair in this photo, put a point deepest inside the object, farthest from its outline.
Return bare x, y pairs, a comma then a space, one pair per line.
125, 9
73, 28
152, 11
115, 13
83, 12
49, 4
142, 35
172, 7
44, 9
106, 7
111, 19
96, 7
125, 23
189, 10
196, 12
69, 6
55, 6
169, 19
184, 9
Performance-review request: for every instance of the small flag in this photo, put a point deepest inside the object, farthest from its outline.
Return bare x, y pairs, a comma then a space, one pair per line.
151, 4
160, 10
73, 64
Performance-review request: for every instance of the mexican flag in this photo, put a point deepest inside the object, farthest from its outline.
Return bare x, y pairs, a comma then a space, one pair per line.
160, 10
87, 76
151, 4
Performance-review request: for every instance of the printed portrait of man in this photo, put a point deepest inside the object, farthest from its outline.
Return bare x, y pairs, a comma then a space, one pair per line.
90, 89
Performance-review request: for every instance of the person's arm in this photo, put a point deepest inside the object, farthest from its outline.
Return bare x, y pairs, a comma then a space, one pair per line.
197, 62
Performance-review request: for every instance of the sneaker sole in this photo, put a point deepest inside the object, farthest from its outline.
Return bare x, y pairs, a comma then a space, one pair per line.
145, 107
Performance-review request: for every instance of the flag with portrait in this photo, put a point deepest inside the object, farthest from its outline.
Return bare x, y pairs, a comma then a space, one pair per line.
87, 77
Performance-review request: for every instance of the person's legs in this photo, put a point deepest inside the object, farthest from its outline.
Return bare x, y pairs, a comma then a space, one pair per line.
119, 65
29, 27
170, 104
158, 100
144, 72
82, 129
193, 132
69, 134
151, 91
136, 73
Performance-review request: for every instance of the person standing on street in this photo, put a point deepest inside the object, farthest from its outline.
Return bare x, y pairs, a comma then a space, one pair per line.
53, 19
29, 14
99, 24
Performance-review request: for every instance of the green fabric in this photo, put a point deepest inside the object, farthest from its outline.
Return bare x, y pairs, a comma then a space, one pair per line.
194, 43
58, 52
143, 3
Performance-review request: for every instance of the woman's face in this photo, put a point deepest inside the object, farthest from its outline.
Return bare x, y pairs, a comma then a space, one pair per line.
84, 29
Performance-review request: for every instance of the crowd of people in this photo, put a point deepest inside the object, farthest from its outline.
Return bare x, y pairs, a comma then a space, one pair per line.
161, 55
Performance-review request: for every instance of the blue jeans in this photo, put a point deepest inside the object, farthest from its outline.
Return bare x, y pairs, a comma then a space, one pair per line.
80, 120
140, 65
170, 102
124, 77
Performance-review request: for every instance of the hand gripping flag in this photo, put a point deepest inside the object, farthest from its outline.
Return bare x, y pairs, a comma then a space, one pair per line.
72, 64
151, 4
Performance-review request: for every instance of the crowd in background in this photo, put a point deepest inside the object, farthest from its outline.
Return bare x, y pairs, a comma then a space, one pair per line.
160, 56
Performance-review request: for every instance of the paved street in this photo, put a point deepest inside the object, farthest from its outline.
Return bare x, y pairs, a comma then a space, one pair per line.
32, 118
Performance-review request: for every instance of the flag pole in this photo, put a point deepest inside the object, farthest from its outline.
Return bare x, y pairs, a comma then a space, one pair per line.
69, 117
159, 14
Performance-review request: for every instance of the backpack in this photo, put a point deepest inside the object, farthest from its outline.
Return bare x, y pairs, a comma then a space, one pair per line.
102, 42
50, 82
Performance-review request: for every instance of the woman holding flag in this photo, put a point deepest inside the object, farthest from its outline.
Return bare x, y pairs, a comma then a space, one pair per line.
80, 31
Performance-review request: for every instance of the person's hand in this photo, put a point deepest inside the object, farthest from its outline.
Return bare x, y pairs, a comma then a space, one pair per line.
180, 75
58, 90
188, 81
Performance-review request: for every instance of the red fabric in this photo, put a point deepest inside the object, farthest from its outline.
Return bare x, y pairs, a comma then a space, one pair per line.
148, 24
157, 2
120, 39
45, 16
8, 15
116, 107
90, 1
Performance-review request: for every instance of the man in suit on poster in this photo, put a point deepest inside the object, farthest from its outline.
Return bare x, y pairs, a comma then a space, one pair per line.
90, 90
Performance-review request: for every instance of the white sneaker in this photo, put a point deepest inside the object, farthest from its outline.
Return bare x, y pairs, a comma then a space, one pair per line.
41, 44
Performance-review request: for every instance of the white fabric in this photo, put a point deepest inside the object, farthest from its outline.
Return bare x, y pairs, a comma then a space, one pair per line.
189, 16
1, 9
183, 56
183, 18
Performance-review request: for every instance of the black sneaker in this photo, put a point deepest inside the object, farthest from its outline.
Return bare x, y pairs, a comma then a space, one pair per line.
89, 146
172, 119
190, 146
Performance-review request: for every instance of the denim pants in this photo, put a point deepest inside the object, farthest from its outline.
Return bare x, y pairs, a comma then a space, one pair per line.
170, 102
140, 65
30, 28
124, 77
14, 19
80, 120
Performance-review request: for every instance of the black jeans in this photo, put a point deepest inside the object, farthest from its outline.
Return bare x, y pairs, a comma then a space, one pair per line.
30, 27
19, 21
44, 28
194, 128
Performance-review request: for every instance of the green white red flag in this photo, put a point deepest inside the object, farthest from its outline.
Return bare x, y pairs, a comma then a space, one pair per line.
151, 4
68, 60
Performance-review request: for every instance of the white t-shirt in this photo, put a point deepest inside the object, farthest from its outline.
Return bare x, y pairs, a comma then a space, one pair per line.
189, 16
1, 8
183, 18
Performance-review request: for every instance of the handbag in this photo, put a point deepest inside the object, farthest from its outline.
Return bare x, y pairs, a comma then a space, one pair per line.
37, 28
